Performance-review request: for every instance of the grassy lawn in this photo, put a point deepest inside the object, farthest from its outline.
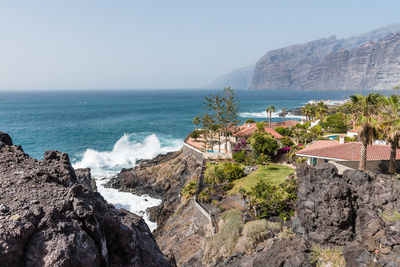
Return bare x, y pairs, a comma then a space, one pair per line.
272, 173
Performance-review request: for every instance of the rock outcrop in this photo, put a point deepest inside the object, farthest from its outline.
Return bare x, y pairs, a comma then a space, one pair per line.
352, 210
49, 218
162, 177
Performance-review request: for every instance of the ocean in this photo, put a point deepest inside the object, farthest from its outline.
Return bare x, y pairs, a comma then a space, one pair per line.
111, 129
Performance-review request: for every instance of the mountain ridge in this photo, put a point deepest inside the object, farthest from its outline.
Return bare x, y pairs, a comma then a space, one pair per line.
298, 66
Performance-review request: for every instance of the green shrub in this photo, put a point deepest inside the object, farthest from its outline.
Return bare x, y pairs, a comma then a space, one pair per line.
350, 139
332, 257
283, 131
250, 121
189, 190
228, 186
286, 142
204, 196
239, 157
195, 134
263, 144
232, 171
214, 175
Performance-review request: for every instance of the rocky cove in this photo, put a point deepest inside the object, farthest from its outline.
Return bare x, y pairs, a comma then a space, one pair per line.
51, 215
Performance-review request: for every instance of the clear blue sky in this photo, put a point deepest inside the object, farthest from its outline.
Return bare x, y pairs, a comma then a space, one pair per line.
85, 44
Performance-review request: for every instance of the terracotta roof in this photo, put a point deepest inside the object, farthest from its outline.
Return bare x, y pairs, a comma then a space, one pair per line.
248, 129
283, 123
353, 131
346, 151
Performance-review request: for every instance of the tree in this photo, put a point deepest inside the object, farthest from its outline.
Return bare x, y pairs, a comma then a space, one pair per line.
390, 127
283, 131
224, 110
335, 123
321, 109
250, 121
263, 144
269, 110
196, 121
207, 125
284, 113
365, 109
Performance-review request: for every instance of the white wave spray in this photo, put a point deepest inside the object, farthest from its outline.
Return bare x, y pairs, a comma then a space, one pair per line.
125, 153
265, 115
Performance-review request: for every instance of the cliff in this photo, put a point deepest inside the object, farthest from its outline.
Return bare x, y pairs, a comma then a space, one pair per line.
50, 216
364, 62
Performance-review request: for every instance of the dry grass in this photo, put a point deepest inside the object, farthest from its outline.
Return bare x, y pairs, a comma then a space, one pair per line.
223, 243
323, 257
391, 216
257, 231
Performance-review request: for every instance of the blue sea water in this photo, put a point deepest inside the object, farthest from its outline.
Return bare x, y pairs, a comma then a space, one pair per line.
111, 129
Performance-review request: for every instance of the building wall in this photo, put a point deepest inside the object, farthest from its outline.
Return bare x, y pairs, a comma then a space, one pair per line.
372, 165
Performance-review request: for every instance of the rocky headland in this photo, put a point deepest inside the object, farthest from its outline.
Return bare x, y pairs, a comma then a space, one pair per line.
51, 215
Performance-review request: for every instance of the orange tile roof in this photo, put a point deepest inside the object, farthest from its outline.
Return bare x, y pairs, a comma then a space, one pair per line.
248, 129
283, 123
353, 131
347, 151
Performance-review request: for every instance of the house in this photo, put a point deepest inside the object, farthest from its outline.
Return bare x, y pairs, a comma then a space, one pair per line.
347, 154
246, 130
285, 124
352, 133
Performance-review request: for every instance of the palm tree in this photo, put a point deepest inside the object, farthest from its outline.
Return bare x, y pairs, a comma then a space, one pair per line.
284, 113
365, 109
321, 109
390, 127
269, 110
196, 121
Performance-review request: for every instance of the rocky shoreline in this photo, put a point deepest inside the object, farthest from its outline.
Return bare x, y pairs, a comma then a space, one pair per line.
51, 215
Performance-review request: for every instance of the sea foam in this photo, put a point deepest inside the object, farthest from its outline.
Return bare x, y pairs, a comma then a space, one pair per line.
264, 114
124, 154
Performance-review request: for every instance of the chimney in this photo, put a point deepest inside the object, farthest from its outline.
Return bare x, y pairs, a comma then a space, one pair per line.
342, 139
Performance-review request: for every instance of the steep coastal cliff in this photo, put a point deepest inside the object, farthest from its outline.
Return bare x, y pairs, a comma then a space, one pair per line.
50, 216
368, 61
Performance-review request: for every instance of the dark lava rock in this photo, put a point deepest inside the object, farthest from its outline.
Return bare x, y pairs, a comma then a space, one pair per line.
347, 210
162, 177
5, 139
50, 218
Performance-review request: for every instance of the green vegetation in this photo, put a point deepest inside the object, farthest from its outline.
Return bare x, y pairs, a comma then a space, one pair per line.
266, 200
223, 242
250, 121
263, 144
239, 157
327, 256
195, 134
391, 216
284, 131
189, 190
272, 173
269, 110
221, 173
335, 123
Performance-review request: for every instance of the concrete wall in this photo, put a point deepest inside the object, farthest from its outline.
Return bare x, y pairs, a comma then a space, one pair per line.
373, 165
189, 150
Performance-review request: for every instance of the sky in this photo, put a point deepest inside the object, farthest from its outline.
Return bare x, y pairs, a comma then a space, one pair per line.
96, 44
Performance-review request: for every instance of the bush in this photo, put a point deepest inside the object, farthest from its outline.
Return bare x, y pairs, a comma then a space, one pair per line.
263, 144
227, 187
250, 121
214, 175
204, 196
239, 157
195, 134
189, 190
335, 123
286, 142
350, 139
268, 200
232, 171
283, 131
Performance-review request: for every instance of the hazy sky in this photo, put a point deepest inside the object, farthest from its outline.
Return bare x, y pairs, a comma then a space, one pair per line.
87, 44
